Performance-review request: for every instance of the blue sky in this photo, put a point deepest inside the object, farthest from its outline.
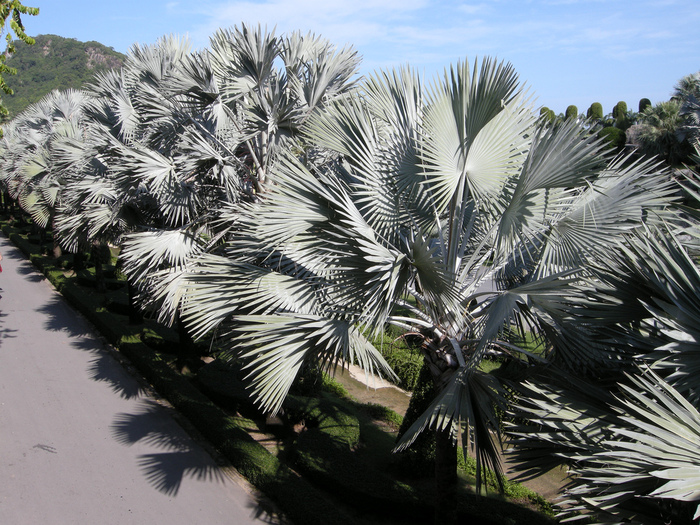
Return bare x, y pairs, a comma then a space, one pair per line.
567, 51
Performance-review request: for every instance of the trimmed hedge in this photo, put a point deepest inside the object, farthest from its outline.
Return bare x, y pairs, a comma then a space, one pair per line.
620, 110
595, 112
571, 112
547, 114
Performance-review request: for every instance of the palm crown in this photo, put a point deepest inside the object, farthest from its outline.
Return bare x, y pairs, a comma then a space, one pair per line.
453, 206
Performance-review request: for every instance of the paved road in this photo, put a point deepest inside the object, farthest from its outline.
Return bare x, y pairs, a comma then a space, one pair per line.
81, 440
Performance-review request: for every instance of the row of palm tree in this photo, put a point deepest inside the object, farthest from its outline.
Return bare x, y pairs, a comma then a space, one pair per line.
261, 195
158, 149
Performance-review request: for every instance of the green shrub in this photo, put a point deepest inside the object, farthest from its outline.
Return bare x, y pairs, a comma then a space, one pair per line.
332, 386
613, 137
621, 116
407, 363
402, 355
547, 114
620, 110
644, 104
571, 112
595, 112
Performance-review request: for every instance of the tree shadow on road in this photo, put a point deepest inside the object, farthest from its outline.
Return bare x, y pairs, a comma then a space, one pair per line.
24, 267
180, 456
5, 333
152, 425
60, 317
106, 369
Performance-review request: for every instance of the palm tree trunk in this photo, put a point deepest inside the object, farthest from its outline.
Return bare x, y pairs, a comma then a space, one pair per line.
78, 261
57, 252
135, 316
100, 283
187, 356
445, 478
445, 458
98, 256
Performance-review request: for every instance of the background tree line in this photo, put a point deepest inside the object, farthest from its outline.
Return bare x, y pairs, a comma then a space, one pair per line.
662, 129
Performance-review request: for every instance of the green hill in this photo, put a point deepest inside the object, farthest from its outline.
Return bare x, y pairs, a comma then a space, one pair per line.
52, 63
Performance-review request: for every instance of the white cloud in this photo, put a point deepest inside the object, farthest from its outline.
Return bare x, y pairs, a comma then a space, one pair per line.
551, 41
473, 9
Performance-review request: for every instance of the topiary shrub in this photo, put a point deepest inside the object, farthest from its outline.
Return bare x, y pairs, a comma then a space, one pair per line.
620, 110
644, 104
547, 114
571, 112
595, 112
613, 137
621, 116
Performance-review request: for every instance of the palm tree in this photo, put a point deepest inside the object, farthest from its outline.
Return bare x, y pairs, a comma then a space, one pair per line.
632, 447
216, 125
103, 199
660, 132
175, 138
271, 85
631, 431
451, 213
34, 174
688, 86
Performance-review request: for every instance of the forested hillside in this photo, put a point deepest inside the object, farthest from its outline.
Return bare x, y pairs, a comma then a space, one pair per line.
54, 62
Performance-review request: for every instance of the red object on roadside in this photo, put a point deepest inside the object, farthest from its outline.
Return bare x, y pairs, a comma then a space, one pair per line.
0, 268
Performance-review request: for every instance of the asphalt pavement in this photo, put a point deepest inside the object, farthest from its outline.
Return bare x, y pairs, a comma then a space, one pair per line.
82, 440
